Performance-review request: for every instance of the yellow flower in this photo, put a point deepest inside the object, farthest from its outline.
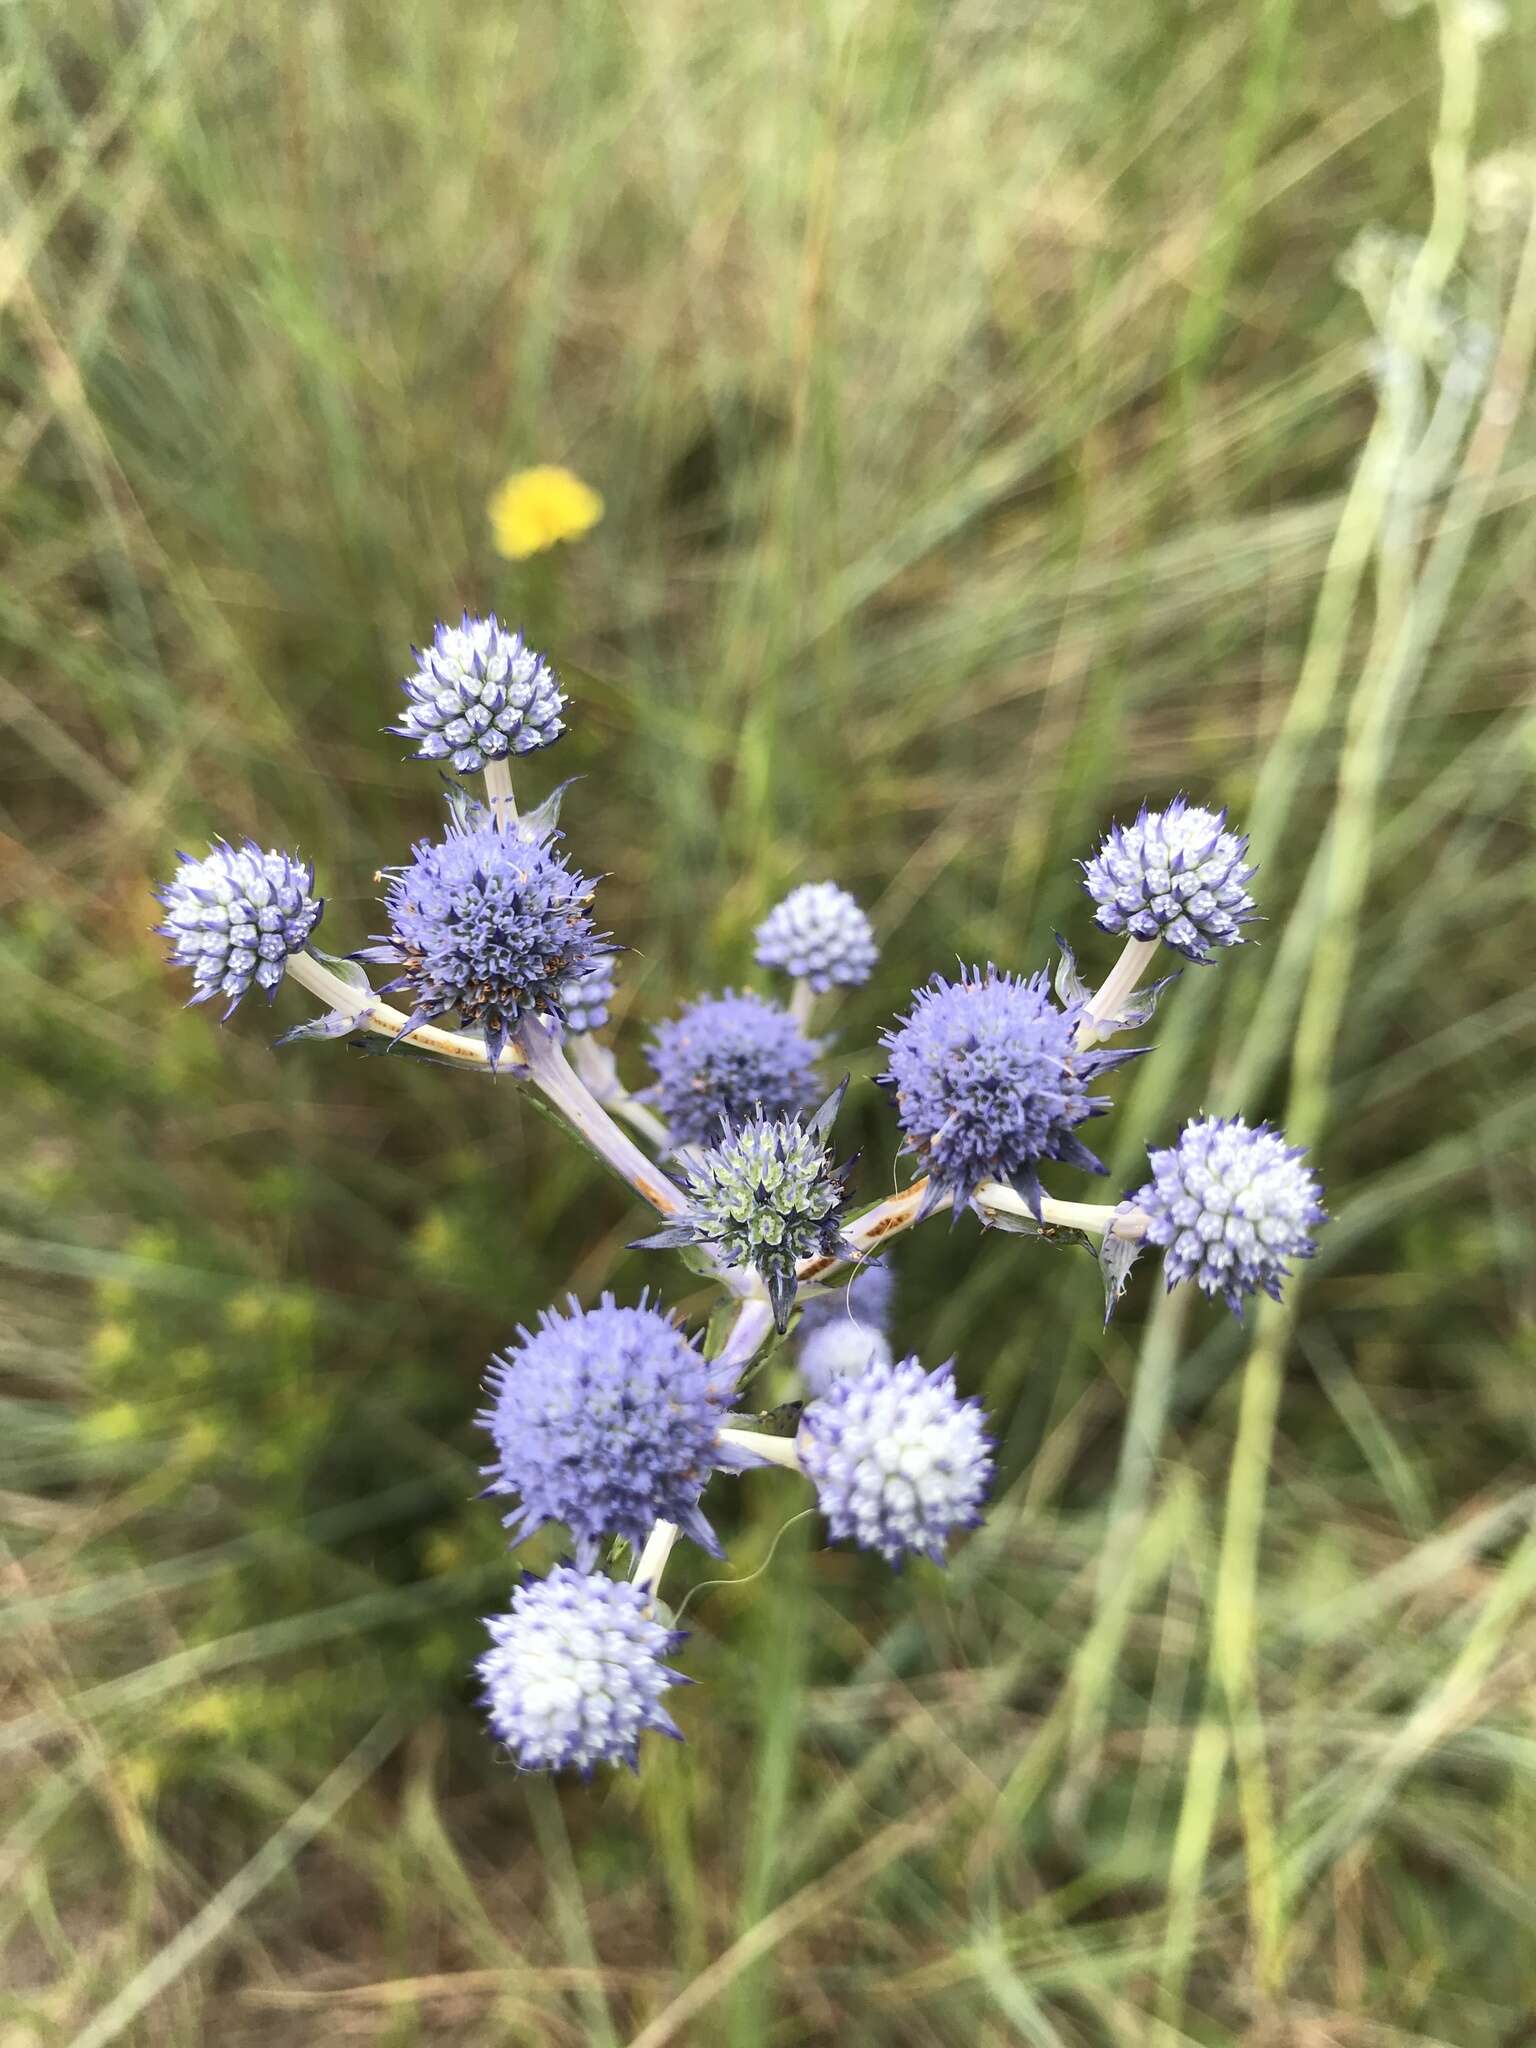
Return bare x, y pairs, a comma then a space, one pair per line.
535, 508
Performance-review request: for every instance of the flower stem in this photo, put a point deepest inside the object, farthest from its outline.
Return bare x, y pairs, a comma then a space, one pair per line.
773, 1450
552, 1076
595, 1065
1098, 1020
652, 1561
498, 790
802, 1004
388, 1022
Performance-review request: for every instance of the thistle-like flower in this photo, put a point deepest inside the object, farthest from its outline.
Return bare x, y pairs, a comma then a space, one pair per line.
898, 1460
234, 917
584, 997
989, 1080
1231, 1203
843, 1333
820, 935
574, 1675
766, 1195
480, 693
489, 924
726, 1056
607, 1419
1176, 875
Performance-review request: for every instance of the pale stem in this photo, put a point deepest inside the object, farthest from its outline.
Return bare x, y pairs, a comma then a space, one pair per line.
802, 1004
388, 1022
773, 1450
552, 1075
597, 1068
652, 1561
498, 789
1105, 1004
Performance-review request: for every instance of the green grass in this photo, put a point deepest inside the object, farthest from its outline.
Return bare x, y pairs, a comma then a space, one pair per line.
980, 416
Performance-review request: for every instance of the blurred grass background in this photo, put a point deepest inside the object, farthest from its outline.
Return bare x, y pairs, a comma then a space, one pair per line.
975, 399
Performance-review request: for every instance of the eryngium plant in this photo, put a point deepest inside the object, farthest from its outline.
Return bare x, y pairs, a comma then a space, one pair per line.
611, 1420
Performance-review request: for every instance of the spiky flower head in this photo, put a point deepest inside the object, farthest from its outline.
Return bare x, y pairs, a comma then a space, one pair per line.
820, 935
766, 1195
843, 1333
726, 1056
487, 923
1231, 1203
898, 1460
989, 1080
1177, 875
574, 1674
584, 997
234, 917
480, 693
606, 1419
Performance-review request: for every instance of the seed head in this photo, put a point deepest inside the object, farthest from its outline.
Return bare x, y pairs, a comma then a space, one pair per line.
989, 1081
820, 935
898, 1460
1176, 875
1231, 1204
574, 1675
234, 917
489, 924
480, 693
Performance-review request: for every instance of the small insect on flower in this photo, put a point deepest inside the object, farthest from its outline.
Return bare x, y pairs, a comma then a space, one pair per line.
537, 508
574, 1675
607, 1419
766, 1196
489, 924
898, 1460
820, 935
1231, 1204
235, 916
989, 1080
724, 1057
1177, 875
480, 693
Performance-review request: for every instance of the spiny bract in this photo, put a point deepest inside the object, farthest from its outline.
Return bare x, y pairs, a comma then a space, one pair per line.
898, 1460
574, 1675
1177, 875
234, 917
989, 1080
480, 693
607, 1419
489, 924
820, 935
1232, 1204
726, 1056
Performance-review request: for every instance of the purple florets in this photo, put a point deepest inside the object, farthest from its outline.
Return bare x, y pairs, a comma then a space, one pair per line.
726, 1056
607, 1419
489, 924
1232, 1204
574, 1674
1176, 875
843, 1334
989, 1080
898, 1460
234, 917
479, 694
820, 935
585, 997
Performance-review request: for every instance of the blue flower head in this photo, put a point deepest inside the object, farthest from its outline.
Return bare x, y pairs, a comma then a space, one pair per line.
574, 1675
819, 934
766, 1196
480, 693
1231, 1204
1176, 875
584, 997
898, 1460
607, 1419
234, 917
489, 924
989, 1080
843, 1333
726, 1056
